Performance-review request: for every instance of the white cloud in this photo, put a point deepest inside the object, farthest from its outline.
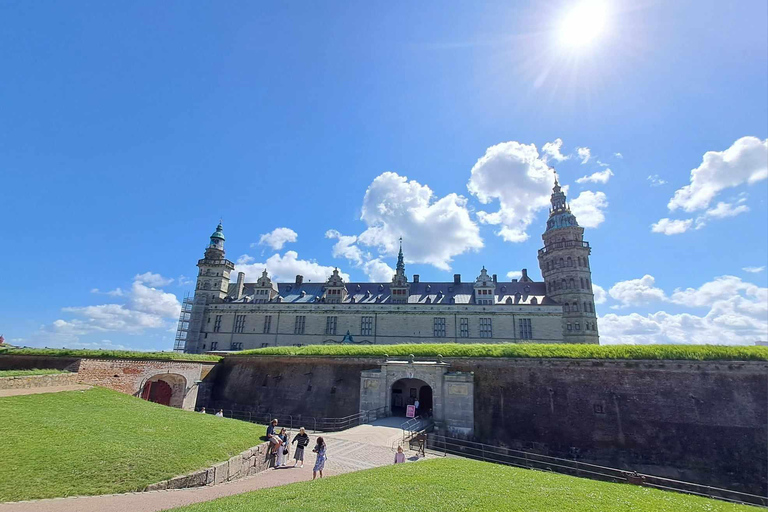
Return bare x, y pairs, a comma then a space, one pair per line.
378, 271
746, 161
618, 155
433, 230
597, 177
552, 150
723, 210
585, 154
671, 227
600, 294
514, 274
117, 292
602, 164
753, 270
285, 268
345, 247
722, 288
656, 181
183, 280
151, 279
277, 238
634, 292
514, 174
588, 208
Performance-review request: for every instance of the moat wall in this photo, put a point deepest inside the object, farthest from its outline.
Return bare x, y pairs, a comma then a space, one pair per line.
705, 422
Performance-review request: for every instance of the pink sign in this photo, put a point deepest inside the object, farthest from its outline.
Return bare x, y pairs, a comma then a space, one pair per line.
410, 411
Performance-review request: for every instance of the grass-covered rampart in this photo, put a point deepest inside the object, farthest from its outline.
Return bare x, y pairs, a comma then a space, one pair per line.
108, 354
526, 350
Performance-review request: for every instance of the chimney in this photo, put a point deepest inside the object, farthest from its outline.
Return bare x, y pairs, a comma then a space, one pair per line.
299, 280
525, 278
240, 284
495, 278
456, 278
415, 278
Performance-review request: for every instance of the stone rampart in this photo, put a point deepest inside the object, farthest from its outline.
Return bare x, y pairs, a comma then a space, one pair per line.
38, 381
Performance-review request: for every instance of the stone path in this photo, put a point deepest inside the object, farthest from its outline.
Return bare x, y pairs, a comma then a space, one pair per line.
363, 447
46, 389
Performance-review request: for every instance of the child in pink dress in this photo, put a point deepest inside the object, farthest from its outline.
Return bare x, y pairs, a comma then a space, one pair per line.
399, 456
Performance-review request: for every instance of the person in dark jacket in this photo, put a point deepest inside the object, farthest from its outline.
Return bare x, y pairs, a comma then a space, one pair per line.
303, 441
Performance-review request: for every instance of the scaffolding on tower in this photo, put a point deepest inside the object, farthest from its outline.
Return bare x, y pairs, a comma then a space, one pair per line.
183, 328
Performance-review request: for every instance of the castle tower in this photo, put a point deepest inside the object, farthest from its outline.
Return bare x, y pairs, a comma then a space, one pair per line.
399, 286
212, 286
564, 263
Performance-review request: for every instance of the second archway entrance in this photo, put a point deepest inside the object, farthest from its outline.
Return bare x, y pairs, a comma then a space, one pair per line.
407, 392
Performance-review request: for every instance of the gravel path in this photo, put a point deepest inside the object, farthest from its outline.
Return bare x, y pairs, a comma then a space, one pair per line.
363, 447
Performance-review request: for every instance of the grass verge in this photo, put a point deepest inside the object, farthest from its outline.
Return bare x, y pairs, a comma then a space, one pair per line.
526, 350
108, 354
27, 373
460, 485
100, 441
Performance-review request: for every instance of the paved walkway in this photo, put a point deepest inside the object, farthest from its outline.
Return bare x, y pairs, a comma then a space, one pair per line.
46, 389
363, 447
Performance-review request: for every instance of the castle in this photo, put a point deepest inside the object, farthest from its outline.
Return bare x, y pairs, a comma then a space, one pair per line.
226, 316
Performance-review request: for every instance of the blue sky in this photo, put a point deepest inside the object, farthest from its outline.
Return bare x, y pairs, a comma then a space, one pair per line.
128, 129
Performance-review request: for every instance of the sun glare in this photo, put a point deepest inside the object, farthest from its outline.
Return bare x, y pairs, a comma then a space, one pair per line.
583, 23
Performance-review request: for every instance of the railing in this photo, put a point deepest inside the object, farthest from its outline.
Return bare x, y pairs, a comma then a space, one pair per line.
563, 245
311, 423
529, 460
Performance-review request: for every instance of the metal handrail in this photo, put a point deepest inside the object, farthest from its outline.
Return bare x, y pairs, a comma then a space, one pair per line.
535, 461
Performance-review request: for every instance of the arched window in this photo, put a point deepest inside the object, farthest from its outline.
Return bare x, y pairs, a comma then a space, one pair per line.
579, 260
589, 286
586, 306
563, 284
581, 279
576, 307
562, 263
566, 308
570, 262
534, 300
572, 284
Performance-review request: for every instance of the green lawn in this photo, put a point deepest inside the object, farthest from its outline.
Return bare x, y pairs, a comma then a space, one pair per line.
689, 352
101, 441
460, 485
25, 373
108, 354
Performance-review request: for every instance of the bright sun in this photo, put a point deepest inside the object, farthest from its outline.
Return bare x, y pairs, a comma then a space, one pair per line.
583, 23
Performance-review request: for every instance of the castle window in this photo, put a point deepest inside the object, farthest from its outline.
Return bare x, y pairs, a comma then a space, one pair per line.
239, 323
464, 327
298, 325
264, 345
572, 284
330, 325
563, 284
566, 308
214, 345
591, 307
203, 346
570, 261
366, 326
562, 263
486, 328
236, 346
582, 282
209, 319
589, 286
578, 326
526, 332
217, 324
267, 324
570, 327
439, 327
575, 307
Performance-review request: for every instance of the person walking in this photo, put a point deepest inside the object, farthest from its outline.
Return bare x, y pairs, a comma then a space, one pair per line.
319, 449
303, 441
399, 456
282, 448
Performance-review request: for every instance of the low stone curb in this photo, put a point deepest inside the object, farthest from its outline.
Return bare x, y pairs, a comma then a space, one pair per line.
251, 461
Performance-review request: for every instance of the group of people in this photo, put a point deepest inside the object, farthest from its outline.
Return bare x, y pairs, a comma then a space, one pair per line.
280, 443
219, 414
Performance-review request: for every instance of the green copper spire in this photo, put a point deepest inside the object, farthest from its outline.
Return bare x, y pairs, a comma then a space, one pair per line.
219, 233
400, 262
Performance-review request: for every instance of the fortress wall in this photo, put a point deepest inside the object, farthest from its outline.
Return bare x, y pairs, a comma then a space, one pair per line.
697, 421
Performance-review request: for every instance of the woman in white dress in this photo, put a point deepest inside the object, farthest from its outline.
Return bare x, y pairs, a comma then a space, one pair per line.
282, 450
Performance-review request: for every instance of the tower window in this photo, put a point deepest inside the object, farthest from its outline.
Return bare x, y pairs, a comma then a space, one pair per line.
217, 324
239, 323
570, 327
439, 327
572, 284
566, 308
298, 324
330, 325
589, 286
464, 327
578, 326
526, 332
267, 324
214, 345
486, 328
575, 307
570, 262
582, 282
366, 326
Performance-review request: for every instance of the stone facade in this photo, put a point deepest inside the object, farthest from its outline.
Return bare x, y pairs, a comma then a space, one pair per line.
237, 316
38, 381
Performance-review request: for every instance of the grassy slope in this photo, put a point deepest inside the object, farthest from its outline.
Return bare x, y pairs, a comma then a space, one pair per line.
460, 485
692, 352
108, 354
25, 373
101, 441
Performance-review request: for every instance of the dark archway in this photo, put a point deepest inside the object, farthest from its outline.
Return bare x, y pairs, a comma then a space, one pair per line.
158, 391
406, 392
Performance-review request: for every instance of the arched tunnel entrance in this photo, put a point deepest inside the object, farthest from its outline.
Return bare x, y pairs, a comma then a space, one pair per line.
165, 389
407, 392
